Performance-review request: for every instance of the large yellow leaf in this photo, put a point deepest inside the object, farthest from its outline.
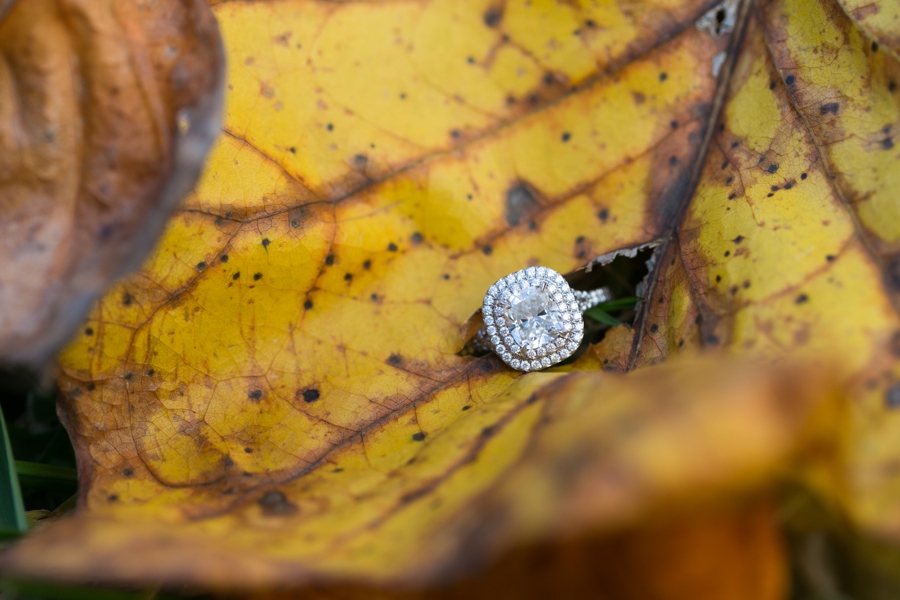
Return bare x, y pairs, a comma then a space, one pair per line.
277, 398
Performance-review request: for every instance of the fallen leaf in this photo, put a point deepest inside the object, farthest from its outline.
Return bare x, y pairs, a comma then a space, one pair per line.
92, 160
278, 396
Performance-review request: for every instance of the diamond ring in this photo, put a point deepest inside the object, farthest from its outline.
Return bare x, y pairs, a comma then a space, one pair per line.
533, 319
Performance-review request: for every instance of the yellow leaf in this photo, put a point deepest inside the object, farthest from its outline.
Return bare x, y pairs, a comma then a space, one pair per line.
278, 395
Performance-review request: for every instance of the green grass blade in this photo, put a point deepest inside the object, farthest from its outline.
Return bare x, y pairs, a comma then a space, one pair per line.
602, 316
619, 304
37, 475
12, 510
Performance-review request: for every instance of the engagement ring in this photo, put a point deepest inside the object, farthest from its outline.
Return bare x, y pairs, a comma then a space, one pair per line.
533, 319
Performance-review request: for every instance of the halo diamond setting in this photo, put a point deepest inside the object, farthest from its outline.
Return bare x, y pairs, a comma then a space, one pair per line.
533, 318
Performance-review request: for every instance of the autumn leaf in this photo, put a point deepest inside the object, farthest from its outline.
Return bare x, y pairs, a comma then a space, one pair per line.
92, 161
278, 398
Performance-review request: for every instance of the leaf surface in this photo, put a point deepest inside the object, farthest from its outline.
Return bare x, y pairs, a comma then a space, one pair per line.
278, 393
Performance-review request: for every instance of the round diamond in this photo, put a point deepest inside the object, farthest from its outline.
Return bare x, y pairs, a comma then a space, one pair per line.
572, 347
530, 353
514, 363
491, 330
514, 348
501, 284
525, 365
500, 321
504, 330
509, 340
545, 362
531, 271
579, 326
495, 339
535, 364
506, 356
489, 320
567, 326
541, 351
555, 358
567, 316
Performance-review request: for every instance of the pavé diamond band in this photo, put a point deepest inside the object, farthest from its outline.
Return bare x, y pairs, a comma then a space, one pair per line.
533, 319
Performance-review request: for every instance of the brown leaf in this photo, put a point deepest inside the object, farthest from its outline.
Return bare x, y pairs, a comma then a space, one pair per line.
106, 113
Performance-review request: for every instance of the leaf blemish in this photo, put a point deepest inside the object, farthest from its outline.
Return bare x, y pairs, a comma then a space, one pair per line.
257, 276
308, 304
395, 360
276, 504
255, 395
801, 299
310, 395
418, 437
892, 396
329, 260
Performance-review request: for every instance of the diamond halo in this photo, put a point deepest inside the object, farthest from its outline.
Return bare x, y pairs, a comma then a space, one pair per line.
533, 319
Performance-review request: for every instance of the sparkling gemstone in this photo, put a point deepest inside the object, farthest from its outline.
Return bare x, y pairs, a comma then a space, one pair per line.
504, 331
545, 362
530, 353
509, 340
495, 339
554, 357
514, 363
506, 356
501, 321
489, 320
535, 364
532, 316
541, 351
491, 330
514, 348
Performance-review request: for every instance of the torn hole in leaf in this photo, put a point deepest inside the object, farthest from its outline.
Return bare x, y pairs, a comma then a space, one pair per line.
622, 271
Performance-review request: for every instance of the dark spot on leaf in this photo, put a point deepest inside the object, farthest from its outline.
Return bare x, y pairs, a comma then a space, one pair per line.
392, 247
150, 372
416, 238
367, 264
467, 407
374, 297
887, 143
248, 450
418, 437
446, 276
520, 204
603, 215
348, 276
732, 196
360, 160
91, 387
566, 136
728, 253
803, 175
487, 431
874, 46
255, 394
129, 376
673, 124
128, 472
729, 180
308, 304
257, 276
88, 331
718, 278
455, 134
770, 194
654, 328
772, 168
470, 60
892, 85
789, 79
774, 188
673, 160
201, 265
548, 79
746, 284
829, 257
492, 16
310, 395
733, 290
395, 360
738, 239
725, 165
113, 498
771, 85
126, 299
892, 396
338, 470
329, 260
276, 504
829, 108
663, 76
292, 150
224, 258
788, 185
590, 23
712, 339
329, 127
487, 250
801, 299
